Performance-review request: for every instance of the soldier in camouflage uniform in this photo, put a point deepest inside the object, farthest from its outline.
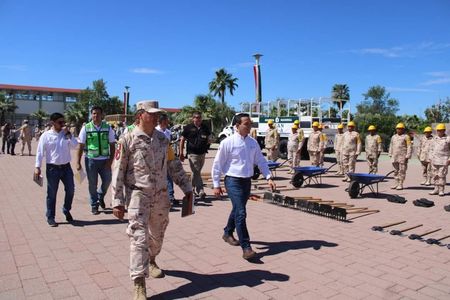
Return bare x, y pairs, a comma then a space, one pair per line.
440, 159
294, 147
424, 155
351, 148
25, 137
373, 148
325, 139
400, 151
338, 148
315, 145
142, 161
271, 141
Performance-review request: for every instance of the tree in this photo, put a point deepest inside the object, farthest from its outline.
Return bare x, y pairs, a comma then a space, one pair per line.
439, 113
6, 106
221, 83
39, 115
340, 95
377, 100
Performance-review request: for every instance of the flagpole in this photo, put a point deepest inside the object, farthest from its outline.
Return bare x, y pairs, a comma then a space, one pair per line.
257, 74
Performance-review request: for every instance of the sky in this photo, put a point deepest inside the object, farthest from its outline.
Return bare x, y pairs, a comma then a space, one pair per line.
169, 50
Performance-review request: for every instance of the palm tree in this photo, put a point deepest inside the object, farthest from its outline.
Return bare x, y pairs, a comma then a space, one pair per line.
221, 83
39, 115
340, 94
5, 107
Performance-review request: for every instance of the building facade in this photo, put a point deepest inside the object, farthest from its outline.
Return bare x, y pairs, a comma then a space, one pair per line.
30, 99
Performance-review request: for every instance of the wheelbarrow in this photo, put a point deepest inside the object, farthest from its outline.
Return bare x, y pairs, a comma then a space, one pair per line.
273, 165
359, 181
309, 173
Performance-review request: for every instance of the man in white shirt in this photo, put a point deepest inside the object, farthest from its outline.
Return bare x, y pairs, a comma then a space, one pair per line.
163, 126
100, 140
236, 158
55, 145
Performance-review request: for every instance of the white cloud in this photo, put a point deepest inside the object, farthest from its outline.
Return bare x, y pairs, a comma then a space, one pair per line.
14, 67
409, 50
436, 81
408, 90
146, 71
439, 77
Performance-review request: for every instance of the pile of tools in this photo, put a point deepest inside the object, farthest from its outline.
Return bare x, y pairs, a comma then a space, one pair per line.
317, 206
414, 236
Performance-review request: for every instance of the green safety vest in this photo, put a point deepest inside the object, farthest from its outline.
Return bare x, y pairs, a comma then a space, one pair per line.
97, 141
131, 127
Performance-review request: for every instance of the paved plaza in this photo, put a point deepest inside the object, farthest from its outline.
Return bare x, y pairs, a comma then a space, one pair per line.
301, 256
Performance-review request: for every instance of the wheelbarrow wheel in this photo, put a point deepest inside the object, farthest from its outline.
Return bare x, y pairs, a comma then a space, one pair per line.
256, 173
353, 189
297, 180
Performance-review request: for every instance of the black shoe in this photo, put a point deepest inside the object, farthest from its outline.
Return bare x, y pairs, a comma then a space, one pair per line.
69, 217
95, 211
52, 223
230, 240
447, 208
102, 203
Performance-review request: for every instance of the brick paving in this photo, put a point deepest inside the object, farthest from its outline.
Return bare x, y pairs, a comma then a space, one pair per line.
302, 256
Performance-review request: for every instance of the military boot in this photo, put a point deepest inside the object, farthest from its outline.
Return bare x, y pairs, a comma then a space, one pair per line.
395, 184
423, 182
400, 185
139, 292
428, 181
441, 191
155, 271
435, 191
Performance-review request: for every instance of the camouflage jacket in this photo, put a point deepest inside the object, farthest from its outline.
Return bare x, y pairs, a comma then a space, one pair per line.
272, 138
351, 143
373, 145
400, 148
440, 150
316, 141
424, 148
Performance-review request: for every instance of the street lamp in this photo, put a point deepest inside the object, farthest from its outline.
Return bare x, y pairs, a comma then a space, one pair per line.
126, 99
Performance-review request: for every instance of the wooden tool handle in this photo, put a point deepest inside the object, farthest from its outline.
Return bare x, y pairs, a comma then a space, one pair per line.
410, 228
363, 211
392, 224
429, 232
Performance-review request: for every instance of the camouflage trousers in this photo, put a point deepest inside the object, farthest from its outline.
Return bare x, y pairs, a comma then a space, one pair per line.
348, 163
372, 160
28, 143
314, 158
321, 158
440, 174
272, 154
294, 156
400, 170
426, 170
339, 162
148, 217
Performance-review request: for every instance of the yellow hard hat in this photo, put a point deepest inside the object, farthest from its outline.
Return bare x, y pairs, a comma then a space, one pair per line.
427, 129
341, 126
371, 127
296, 122
294, 126
270, 122
351, 123
400, 126
315, 124
440, 126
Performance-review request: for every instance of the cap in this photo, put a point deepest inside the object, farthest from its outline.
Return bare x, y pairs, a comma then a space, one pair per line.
400, 126
440, 126
149, 106
270, 122
371, 127
341, 126
427, 129
315, 124
294, 126
351, 123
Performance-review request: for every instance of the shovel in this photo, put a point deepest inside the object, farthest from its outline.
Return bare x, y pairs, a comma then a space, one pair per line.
399, 232
380, 228
419, 236
436, 241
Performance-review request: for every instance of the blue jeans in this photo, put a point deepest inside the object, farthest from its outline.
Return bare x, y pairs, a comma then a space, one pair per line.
170, 191
93, 169
238, 190
54, 174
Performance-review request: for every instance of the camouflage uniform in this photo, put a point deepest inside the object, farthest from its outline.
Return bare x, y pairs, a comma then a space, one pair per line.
25, 136
322, 152
424, 157
338, 150
294, 146
373, 150
400, 151
351, 148
439, 157
316, 144
142, 163
271, 142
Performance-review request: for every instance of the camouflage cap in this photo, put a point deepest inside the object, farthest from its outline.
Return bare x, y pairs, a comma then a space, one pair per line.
149, 106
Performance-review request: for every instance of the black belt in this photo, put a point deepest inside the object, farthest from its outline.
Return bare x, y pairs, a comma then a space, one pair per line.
241, 178
58, 166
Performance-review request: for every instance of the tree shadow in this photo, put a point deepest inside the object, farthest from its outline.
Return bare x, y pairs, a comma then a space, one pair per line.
274, 248
200, 283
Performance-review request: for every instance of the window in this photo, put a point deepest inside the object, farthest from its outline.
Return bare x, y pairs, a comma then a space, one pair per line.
71, 99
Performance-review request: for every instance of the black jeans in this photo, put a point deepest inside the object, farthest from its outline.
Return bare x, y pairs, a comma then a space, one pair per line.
4, 144
11, 145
